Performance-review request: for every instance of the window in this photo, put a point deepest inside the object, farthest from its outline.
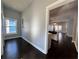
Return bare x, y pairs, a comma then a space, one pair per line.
11, 25
56, 27
60, 28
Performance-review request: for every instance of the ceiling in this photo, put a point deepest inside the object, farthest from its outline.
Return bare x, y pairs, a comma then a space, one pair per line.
63, 9
18, 5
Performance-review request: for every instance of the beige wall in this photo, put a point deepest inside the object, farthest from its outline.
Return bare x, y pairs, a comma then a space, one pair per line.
34, 23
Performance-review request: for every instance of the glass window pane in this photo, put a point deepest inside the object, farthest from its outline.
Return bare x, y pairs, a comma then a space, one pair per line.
7, 22
56, 27
10, 25
60, 28
7, 30
12, 29
12, 22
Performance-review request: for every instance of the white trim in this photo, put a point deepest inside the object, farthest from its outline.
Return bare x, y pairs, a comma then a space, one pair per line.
75, 45
54, 5
34, 45
10, 34
58, 3
11, 37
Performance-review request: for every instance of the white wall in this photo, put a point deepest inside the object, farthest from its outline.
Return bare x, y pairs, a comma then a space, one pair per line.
34, 23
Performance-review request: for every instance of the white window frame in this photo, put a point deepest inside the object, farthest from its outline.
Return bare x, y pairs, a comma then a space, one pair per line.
5, 27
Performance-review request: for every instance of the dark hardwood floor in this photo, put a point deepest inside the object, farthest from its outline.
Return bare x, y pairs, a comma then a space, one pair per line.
19, 49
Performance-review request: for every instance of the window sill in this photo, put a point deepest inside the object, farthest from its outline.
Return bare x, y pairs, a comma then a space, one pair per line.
10, 33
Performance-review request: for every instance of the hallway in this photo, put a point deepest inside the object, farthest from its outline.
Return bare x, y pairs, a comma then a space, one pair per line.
25, 29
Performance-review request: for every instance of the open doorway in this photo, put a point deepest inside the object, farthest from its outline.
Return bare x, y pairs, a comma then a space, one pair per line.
62, 26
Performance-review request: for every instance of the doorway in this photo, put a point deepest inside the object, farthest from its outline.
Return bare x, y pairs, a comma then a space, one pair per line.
61, 20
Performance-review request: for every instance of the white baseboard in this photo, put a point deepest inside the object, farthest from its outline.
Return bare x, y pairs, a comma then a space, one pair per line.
11, 37
75, 45
34, 45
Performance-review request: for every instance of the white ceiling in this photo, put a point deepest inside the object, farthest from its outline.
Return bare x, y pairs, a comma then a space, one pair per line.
18, 5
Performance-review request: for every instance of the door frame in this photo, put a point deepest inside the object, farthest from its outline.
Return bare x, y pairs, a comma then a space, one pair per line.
52, 6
